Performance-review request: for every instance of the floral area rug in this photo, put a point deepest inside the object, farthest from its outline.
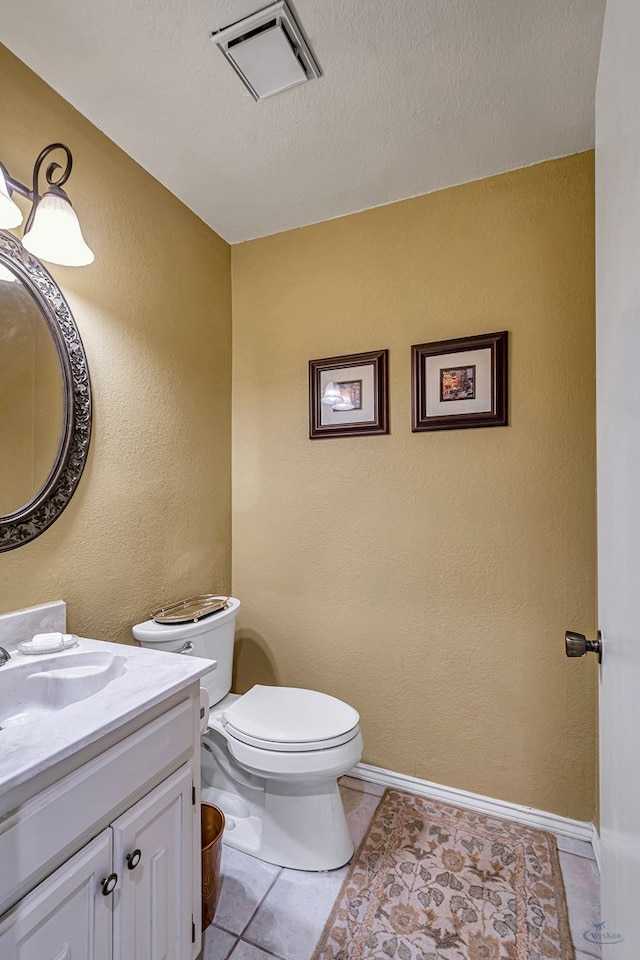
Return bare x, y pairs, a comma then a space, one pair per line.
435, 882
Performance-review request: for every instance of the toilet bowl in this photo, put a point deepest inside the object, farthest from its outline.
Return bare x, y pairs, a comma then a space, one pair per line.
271, 757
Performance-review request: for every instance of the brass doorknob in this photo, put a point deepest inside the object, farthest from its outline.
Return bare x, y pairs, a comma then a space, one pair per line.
576, 645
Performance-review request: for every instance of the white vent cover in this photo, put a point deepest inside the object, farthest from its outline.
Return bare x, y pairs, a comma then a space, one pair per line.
268, 51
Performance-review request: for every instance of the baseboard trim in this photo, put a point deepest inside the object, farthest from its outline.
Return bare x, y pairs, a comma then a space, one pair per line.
578, 829
595, 843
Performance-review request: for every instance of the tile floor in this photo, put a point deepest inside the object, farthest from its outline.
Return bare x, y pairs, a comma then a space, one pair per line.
266, 912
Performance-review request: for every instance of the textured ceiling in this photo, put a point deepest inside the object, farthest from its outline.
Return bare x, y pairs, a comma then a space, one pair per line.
416, 95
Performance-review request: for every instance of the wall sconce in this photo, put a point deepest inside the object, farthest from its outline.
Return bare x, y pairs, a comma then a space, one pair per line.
52, 231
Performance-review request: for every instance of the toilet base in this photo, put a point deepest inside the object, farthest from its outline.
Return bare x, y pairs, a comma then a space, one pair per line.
296, 825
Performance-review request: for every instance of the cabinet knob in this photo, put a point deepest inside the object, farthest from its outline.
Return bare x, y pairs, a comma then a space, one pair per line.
576, 645
133, 859
109, 884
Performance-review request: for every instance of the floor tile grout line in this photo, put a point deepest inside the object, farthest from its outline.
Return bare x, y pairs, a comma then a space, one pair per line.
370, 793
224, 930
252, 943
236, 939
244, 938
233, 946
277, 875
579, 948
261, 901
355, 790
345, 786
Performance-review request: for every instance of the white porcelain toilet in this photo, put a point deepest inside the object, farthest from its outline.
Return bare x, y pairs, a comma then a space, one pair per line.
271, 757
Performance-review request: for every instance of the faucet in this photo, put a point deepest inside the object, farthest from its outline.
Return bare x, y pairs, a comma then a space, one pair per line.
5, 656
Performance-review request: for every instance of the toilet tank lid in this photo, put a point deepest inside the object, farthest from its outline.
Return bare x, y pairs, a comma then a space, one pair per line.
290, 715
191, 609
153, 632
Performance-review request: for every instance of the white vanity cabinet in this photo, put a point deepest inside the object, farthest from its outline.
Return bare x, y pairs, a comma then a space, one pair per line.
104, 863
152, 848
66, 916
126, 895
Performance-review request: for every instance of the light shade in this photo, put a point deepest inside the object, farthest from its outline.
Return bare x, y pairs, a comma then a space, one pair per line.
344, 405
10, 212
332, 394
55, 233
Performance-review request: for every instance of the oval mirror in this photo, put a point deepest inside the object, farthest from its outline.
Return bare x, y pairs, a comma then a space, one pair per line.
45, 397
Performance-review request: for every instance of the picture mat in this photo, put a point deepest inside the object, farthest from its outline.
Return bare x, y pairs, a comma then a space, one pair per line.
467, 358
365, 373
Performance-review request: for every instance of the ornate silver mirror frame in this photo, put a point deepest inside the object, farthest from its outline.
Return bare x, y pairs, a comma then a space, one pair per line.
45, 507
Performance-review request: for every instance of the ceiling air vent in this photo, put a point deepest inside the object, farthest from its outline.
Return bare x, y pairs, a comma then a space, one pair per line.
268, 51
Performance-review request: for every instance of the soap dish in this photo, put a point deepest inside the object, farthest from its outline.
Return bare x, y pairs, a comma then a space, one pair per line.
68, 640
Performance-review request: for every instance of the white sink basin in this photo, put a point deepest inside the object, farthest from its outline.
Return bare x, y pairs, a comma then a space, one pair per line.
53, 706
29, 689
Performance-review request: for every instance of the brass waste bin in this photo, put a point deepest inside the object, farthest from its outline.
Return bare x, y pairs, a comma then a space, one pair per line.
212, 828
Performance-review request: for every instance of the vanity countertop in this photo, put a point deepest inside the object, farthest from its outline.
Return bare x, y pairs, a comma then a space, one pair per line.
27, 749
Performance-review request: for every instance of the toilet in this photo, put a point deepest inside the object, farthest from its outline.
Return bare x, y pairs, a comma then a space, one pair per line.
271, 757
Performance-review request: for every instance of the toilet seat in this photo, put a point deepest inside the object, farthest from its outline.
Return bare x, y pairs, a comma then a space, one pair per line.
290, 719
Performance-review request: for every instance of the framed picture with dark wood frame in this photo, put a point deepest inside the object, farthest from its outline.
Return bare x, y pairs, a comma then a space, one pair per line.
348, 396
460, 383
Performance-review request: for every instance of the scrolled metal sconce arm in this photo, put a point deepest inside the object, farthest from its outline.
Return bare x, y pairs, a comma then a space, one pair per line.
55, 235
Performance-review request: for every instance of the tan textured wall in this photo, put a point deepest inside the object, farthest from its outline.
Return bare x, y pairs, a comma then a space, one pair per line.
429, 578
151, 518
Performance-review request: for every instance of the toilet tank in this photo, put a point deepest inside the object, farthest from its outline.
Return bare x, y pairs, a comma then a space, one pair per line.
212, 638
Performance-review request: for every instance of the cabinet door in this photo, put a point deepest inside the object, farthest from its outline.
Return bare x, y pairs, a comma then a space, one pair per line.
66, 916
152, 917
